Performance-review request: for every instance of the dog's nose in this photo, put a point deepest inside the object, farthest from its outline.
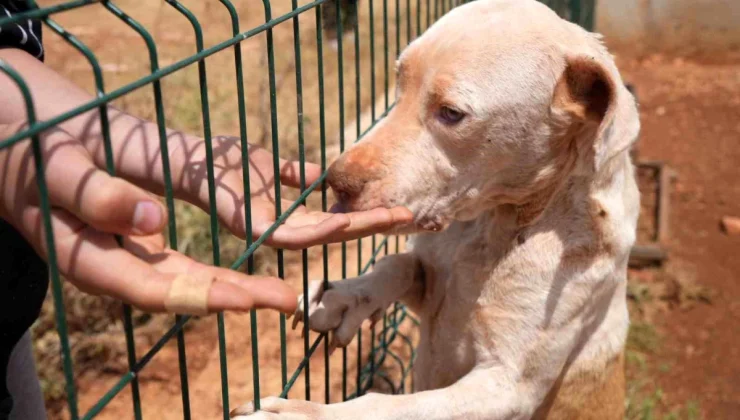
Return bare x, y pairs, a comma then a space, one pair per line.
354, 169
345, 183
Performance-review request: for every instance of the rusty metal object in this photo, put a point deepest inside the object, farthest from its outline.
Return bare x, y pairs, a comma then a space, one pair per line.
655, 252
647, 255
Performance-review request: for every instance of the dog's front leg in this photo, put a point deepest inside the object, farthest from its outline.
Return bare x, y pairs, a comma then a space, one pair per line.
484, 393
344, 305
341, 308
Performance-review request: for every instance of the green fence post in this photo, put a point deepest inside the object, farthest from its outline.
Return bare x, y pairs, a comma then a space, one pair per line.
276, 174
49, 237
205, 110
358, 129
302, 169
245, 181
324, 204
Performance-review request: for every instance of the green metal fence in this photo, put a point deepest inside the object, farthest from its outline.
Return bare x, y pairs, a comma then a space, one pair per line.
412, 17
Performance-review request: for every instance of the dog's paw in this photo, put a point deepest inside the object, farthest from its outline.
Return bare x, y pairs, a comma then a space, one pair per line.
278, 408
339, 309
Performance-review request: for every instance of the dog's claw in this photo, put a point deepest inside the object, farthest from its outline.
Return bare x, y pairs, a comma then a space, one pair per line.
332, 344
336, 310
296, 320
243, 410
375, 317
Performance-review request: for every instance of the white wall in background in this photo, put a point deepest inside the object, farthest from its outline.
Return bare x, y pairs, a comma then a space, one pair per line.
702, 27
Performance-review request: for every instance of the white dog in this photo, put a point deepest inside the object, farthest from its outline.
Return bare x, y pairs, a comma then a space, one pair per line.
510, 141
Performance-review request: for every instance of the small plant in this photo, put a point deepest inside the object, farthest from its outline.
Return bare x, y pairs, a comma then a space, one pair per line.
643, 338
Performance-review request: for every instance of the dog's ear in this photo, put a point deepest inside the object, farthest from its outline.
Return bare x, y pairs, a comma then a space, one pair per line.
595, 108
585, 91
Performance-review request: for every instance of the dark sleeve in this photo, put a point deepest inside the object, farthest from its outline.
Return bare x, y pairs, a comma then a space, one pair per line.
24, 34
23, 284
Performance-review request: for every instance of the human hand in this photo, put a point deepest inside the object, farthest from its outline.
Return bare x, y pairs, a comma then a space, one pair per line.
301, 229
89, 207
137, 157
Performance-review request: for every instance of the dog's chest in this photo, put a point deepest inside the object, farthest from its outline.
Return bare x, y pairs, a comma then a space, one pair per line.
464, 274
464, 264
490, 294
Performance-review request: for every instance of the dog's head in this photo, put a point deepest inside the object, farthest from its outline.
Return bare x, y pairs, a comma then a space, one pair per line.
497, 103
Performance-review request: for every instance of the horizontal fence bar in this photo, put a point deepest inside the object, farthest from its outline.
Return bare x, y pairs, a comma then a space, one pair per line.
131, 375
301, 366
45, 125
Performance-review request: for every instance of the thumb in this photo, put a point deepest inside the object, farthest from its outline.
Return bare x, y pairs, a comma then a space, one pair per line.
115, 206
108, 204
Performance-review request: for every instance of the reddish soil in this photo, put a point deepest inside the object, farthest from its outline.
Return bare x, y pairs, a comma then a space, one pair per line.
690, 120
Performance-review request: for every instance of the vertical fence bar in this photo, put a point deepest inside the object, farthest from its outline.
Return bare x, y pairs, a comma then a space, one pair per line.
324, 204
238, 67
587, 20
386, 80
396, 305
385, 52
340, 77
276, 168
372, 61
358, 96
51, 253
418, 18
302, 169
398, 28
169, 200
358, 379
373, 119
205, 112
408, 21
358, 114
429, 14
372, 327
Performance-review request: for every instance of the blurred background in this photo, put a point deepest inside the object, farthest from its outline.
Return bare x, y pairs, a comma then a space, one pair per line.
680, 57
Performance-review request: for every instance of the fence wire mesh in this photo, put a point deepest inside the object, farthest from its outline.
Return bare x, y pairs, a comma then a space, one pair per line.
335, 28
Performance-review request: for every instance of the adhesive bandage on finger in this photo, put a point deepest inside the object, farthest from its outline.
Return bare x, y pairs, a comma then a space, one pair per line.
188, 295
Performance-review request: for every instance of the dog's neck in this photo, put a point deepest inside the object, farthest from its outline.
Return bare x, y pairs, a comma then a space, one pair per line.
607, 197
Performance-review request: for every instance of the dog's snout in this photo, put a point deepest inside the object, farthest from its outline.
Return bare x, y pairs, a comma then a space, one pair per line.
346, 185
349, 175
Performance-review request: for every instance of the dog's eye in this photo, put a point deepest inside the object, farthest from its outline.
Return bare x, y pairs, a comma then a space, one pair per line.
450, 116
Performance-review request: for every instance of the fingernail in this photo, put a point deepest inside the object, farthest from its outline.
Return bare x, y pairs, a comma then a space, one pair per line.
403, 220
147, 217
406, 217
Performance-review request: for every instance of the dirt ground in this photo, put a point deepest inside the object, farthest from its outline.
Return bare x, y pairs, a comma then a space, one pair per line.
690, 120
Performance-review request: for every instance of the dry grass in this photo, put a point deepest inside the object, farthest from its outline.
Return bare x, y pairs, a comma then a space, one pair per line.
652, 293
